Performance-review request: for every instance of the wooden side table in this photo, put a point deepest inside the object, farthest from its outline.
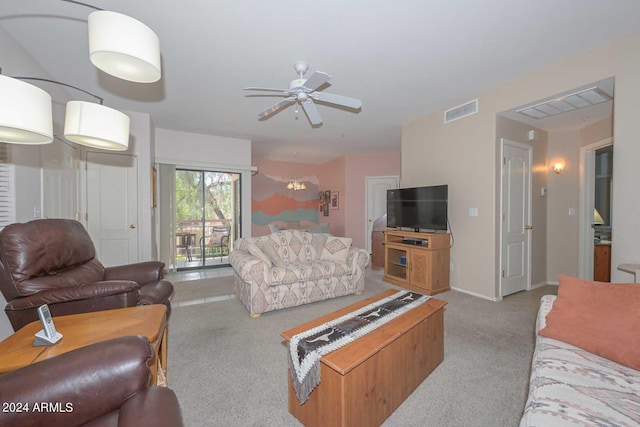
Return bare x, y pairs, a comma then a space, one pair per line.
81, 330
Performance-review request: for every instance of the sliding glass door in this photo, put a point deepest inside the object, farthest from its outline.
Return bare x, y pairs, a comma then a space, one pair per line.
207, 217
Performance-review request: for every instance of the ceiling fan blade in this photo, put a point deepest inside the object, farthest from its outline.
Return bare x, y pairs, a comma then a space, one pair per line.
316, 80
269, 89
344, 101
312, 112
277, 107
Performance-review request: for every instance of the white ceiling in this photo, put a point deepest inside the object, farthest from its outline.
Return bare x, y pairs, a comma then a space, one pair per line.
404, 59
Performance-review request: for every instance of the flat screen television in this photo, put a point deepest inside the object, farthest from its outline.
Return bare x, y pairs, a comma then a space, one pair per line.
420, 208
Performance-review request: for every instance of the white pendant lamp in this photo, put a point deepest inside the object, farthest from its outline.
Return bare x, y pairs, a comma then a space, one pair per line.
97, 126
25, 113
124, 47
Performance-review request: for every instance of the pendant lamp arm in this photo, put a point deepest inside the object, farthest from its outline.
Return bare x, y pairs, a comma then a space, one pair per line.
58, 83
82, 4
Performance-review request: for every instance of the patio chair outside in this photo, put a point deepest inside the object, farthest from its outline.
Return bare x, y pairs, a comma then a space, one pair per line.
219, 238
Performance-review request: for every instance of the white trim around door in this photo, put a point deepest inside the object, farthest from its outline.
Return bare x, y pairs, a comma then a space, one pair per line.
587, 203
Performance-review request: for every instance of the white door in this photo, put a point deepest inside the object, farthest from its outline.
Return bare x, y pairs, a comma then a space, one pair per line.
376, 193
516, 214
60, 178
112, 207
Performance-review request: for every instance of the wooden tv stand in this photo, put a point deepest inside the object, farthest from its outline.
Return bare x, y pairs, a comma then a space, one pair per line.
417, 261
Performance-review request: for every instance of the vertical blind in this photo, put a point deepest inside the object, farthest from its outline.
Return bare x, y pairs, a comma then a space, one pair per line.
7, 188
167, 205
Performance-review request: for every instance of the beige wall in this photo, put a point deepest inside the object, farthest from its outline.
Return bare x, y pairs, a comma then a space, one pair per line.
462, 154
597, 131
564, 193
563, 228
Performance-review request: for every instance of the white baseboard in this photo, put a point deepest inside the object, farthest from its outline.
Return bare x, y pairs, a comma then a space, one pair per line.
475, 294
545, 283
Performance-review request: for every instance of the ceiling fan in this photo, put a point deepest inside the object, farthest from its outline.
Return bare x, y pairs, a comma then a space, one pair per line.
305, 92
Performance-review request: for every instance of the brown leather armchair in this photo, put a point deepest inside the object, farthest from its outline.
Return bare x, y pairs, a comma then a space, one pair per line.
52, 261
104, 384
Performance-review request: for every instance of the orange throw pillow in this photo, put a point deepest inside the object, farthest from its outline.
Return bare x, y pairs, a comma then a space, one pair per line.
602, 318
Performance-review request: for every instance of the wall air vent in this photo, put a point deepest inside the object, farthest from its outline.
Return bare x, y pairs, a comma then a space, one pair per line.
464, 110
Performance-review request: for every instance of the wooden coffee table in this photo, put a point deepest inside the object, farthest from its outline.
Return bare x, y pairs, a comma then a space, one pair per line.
362, 383
81, 330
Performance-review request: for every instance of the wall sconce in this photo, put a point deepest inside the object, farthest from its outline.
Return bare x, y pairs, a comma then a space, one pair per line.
558, 167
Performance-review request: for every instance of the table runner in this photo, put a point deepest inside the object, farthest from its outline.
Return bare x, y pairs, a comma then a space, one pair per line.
306, 348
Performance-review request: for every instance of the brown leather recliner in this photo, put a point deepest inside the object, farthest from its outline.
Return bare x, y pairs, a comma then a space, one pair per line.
52, 261
104, 384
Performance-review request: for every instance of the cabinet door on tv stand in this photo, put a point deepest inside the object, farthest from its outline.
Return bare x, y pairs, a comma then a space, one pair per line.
421, 265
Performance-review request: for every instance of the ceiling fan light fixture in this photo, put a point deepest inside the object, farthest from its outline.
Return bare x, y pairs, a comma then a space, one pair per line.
124, 47
25, 113
97, 126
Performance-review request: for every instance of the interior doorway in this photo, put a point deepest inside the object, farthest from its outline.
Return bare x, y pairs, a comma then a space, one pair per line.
207, 217
563, 127
596, 203
376, 194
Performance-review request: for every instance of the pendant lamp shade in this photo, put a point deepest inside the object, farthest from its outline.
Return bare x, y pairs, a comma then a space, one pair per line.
25, 113
124, 47
97, 126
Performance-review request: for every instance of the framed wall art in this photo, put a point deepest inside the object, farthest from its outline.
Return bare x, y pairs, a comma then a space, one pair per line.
335, 200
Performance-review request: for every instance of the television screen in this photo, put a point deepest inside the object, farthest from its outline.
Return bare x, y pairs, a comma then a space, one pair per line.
418, 208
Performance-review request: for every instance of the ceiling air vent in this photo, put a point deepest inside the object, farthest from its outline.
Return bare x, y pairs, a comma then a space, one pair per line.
461, 111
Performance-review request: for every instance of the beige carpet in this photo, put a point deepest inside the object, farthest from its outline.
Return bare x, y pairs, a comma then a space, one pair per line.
230, 370
192, 290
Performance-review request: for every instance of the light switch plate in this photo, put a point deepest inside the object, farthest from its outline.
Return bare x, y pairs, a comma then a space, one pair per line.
473, 211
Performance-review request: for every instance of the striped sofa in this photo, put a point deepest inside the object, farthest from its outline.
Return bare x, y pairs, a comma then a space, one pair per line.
291, 267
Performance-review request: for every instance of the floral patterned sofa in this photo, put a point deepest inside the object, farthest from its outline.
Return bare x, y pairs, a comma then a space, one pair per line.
570, 386
292, 267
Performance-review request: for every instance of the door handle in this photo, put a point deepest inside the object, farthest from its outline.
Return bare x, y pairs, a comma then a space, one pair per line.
528, 227
132, 226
